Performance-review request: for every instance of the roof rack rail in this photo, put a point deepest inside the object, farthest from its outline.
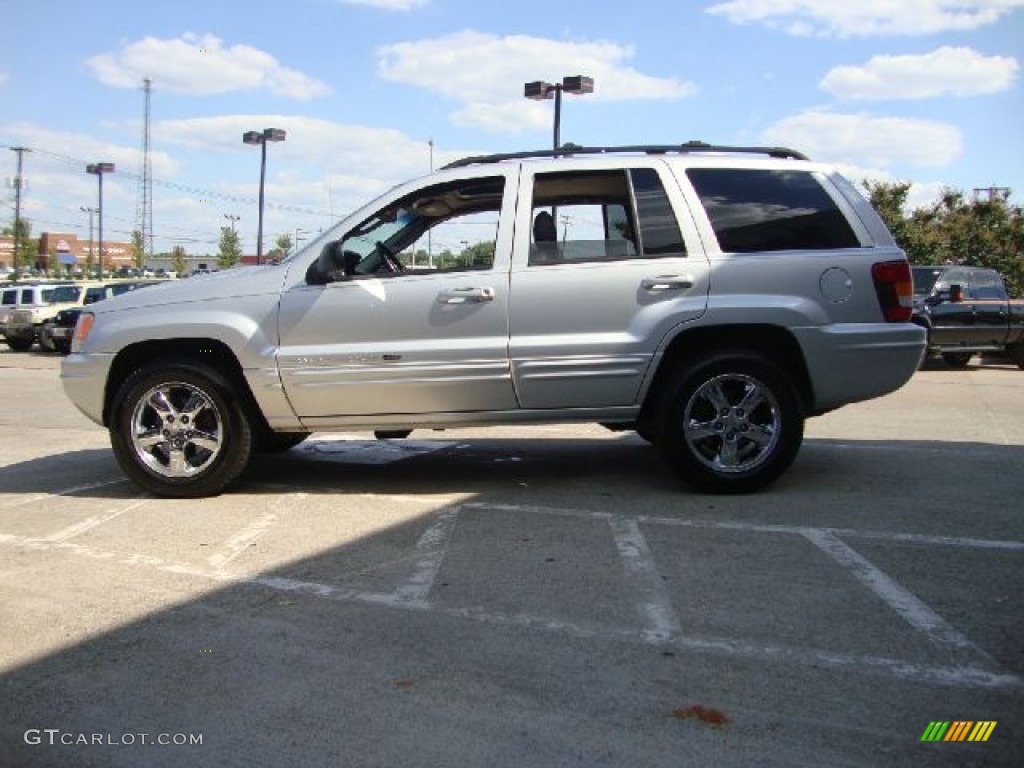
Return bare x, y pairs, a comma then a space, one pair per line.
650, 149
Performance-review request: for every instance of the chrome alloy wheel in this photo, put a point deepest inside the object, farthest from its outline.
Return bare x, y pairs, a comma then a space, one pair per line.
176, 430
732, 423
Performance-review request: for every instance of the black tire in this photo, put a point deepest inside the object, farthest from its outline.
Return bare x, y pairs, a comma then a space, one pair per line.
733, 445
392, 434
20, 345
278, 442
178, 429
957, 360
62, 347
1016, 353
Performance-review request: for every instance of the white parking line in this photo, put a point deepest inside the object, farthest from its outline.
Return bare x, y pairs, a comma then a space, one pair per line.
641, 575
907, 605
32, 498
91, 522
429, 555
246, 537
966, 676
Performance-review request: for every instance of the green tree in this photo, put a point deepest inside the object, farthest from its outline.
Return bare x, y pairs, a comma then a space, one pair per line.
178, 262
230, 249
282, 247
955, 229
138, 248
28, 247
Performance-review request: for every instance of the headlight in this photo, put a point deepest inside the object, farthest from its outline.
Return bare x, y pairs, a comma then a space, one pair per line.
82, 328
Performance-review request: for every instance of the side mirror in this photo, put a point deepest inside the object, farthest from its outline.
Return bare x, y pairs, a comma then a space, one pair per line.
327, 265
956, 293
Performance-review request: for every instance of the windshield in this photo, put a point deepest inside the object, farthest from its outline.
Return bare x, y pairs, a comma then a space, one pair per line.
65, 293
924, 279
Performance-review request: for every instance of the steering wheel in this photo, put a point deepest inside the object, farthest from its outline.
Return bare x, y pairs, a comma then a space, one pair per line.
390, 262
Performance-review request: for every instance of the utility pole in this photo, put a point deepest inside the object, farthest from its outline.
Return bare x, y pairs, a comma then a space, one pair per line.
92, 252
19, 183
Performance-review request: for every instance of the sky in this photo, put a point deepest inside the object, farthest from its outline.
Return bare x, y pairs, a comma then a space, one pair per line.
923, 91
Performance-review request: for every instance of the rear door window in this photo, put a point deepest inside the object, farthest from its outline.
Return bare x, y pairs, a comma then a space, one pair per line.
770, 210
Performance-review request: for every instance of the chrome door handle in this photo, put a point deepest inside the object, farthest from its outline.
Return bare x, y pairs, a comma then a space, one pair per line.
466, 295
667, 282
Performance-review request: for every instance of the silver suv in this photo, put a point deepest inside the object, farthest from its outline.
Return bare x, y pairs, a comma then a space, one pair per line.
710, 298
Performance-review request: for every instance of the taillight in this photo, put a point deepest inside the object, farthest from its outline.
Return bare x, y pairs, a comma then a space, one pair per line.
82, 328
895, 288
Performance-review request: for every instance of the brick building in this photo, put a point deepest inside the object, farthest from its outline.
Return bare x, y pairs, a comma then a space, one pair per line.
57, 248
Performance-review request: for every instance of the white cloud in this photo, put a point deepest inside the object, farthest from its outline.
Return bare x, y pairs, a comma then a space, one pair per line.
389, 5
382, 154
468, 66
75, 150
858, 18
946, 71
868, 140
201, 65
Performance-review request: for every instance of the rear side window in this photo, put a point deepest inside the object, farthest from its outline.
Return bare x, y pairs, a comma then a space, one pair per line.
10, 298
586, 216
763, 210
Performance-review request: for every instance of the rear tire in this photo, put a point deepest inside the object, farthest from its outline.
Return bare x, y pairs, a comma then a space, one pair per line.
957, 360
20, 345
178, 430
1017, 354
729, 423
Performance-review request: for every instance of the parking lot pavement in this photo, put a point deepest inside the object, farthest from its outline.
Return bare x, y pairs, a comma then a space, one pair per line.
519, 596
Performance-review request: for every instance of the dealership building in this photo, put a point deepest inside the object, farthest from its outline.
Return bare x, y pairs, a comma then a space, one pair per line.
65, 249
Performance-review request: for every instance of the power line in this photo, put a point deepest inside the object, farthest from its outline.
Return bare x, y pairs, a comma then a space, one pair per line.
199, 191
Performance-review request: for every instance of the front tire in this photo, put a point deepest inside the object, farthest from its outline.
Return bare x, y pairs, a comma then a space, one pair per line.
178, 430
730, 423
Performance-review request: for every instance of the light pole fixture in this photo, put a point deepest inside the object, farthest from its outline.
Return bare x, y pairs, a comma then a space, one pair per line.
299, 232
261, 138
98, 169
90, 211
232, 219
541, 90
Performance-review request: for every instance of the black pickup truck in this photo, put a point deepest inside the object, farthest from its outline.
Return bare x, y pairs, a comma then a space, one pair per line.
966, 311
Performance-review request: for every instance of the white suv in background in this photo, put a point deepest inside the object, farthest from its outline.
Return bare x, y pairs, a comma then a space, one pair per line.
710, 298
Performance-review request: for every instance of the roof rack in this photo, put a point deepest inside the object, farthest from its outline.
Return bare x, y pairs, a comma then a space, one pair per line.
649, 149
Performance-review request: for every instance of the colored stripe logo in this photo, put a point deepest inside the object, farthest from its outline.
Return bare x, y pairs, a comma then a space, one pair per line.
959, 730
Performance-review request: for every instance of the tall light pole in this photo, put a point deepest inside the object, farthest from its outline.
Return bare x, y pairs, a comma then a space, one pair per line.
232, 219
261, 138
540, 90
98, 169
90, 211
19, 184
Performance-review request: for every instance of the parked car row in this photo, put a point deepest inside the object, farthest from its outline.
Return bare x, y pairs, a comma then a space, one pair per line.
47, 312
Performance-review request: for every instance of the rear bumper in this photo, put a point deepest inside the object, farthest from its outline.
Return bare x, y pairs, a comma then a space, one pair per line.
854, 362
